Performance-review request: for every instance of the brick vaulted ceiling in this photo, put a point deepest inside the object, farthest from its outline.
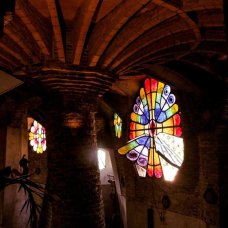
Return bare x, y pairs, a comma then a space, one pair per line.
80, 46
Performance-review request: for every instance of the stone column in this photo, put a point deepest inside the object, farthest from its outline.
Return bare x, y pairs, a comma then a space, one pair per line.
73, 174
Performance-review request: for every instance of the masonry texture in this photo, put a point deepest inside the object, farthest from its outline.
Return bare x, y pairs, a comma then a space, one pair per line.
70, 65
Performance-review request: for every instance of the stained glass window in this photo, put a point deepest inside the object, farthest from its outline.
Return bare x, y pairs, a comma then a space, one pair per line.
117, 125
155, 144
37, 137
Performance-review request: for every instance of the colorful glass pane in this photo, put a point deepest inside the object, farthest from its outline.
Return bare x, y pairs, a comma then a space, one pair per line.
155, 145
37, 137
117, 125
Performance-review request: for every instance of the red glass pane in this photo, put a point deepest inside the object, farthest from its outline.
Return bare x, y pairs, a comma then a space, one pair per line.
131, 135
154, 85
132, 126
150, 171
147, 86
177, 119
177, 131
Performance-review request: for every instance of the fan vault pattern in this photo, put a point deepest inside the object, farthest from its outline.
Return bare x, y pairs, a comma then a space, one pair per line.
76, 47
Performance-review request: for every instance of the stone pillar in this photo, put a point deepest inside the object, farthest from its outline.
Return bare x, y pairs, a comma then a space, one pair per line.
73, 174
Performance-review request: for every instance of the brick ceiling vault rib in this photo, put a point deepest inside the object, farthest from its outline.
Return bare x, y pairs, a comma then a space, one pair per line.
106, 29
17, 40
141, 25
82, 22
9, 58
185, 17
191, 25
190, 5
23, 12
14, 49
152, 49
171, 26
52, 7
149, 37
12, 52
5, 62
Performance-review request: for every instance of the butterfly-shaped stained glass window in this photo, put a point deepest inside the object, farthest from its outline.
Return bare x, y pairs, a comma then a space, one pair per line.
117, 125
155, 143
37, 137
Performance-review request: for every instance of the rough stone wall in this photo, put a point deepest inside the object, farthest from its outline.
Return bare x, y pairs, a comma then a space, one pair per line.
2, 165
223, 161
209, 176
69, 149
14, 147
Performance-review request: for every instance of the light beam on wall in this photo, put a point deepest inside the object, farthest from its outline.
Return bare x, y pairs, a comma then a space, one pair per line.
101, 159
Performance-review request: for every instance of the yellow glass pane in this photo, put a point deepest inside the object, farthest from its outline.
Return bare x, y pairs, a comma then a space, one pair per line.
168, 130
149, 100
168, 122
138, 133
160, 87
153, 100
134, 117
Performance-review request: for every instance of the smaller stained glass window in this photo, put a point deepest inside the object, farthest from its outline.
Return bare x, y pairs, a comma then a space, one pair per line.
118, 125
37, 137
